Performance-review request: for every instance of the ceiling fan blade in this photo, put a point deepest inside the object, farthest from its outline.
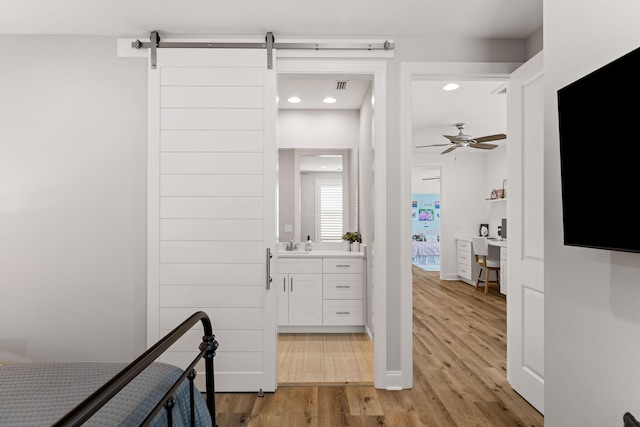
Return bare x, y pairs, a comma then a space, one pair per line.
483, 145
452, 138
450, 149
491, 137
432, 145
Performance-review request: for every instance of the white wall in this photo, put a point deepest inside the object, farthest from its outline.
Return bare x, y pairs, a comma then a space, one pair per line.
72, 200
318, 128
496, 173
592, 321
365, 197
73, 180
286, 199
420, 186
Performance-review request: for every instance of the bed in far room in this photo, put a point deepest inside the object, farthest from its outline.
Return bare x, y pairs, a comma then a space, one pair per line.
142, 392
426, 250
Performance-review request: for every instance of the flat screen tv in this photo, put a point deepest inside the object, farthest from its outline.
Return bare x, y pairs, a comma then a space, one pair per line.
599, 127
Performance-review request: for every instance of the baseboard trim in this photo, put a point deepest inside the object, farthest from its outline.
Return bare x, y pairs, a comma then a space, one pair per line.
394, 380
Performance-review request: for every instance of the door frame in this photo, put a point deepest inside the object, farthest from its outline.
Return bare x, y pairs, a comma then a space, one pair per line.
410, 71
377, 258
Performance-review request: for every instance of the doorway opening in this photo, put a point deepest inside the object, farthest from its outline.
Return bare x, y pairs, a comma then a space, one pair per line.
425, 218
311, 135
460, 167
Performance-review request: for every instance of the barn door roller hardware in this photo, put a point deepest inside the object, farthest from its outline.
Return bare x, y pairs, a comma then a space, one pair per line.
269, 45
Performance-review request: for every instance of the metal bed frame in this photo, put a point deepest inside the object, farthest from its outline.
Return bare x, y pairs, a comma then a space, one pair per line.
82, 412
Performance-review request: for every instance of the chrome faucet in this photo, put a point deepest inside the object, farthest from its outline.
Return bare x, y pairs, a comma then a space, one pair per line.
291, 245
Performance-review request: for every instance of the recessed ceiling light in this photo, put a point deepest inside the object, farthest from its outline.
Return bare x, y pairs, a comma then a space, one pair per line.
329, 100
450, 86
294, 99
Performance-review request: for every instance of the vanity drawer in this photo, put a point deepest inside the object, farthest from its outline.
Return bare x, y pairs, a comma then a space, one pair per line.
300, 265
342, 286
342, 312
342, 265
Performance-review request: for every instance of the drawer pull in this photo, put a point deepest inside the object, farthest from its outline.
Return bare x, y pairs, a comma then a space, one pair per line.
343, 286
343, 265
343, 312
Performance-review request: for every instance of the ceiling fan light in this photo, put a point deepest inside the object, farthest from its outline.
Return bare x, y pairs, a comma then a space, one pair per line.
450, 86
294, 99
329, 100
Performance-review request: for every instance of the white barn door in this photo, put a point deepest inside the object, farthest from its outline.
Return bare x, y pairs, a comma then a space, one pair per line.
525, 233
211, 208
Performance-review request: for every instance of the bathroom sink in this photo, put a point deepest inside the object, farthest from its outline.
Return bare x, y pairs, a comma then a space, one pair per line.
296, 252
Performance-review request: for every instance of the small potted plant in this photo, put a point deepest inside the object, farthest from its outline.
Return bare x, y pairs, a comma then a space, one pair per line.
351, 241
346, 241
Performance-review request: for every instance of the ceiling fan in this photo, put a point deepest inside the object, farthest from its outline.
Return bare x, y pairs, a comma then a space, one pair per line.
462, 140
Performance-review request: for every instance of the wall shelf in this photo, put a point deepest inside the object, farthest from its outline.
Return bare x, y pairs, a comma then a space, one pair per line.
504, 199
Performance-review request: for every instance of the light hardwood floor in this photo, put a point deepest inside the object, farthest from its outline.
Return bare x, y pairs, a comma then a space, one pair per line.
325, 359
459, 356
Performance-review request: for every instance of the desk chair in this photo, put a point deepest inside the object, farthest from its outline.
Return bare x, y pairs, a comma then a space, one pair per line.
486, 264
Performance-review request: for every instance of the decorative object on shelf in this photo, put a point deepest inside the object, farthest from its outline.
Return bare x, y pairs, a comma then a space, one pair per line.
484, 230
349, 238
504, 188
355, 247
499, 193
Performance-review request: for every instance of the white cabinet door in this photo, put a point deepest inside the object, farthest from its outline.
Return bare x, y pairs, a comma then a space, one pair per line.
282, 285
525, 212
305, 299
211, 206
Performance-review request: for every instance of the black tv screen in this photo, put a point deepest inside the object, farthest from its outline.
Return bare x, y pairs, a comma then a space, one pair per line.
599, 125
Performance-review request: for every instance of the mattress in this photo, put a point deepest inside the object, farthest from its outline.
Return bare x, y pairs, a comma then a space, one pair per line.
425, 248
39, 394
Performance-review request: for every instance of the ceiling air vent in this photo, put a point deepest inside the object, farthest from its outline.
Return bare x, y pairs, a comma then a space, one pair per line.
341, 84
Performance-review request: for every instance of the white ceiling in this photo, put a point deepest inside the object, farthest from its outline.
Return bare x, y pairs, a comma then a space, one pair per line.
482, 105
313, 89
285, 18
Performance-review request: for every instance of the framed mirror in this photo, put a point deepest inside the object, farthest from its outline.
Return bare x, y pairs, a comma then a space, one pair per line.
317, 194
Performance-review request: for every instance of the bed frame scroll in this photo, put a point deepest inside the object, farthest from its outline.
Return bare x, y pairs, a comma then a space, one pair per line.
81, 413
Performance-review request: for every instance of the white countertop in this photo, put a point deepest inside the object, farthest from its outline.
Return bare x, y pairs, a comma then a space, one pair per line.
498, 242
491, 241
320, 254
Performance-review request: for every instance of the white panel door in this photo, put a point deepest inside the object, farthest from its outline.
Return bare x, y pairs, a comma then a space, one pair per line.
211, 208
525, 247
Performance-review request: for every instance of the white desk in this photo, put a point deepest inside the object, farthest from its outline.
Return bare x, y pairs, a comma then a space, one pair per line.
501, 246
466, 267
497, 242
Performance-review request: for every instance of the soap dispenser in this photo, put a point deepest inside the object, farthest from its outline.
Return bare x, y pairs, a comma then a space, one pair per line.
307, 244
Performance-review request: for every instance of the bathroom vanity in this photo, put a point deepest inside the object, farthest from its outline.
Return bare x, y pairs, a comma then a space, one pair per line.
321, 291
